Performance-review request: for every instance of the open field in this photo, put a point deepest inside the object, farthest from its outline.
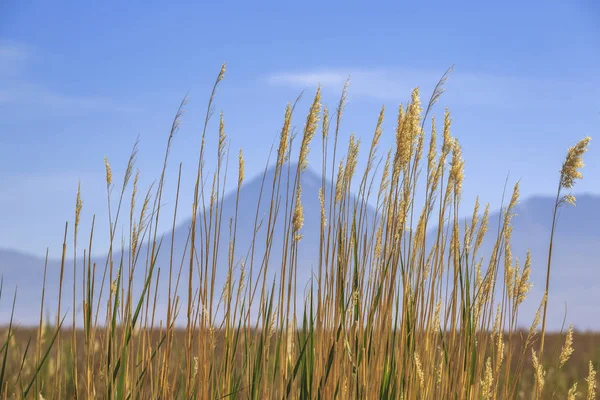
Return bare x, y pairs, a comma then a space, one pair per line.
559, 380
399, 302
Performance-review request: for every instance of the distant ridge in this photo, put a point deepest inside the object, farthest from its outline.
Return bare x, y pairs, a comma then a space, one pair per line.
575, 275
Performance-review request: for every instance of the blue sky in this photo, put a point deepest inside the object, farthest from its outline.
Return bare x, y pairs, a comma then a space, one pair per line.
78, 83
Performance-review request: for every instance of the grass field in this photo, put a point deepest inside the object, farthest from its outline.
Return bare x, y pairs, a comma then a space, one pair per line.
386, 315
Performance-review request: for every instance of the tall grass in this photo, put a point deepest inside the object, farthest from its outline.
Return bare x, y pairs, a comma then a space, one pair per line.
386, 314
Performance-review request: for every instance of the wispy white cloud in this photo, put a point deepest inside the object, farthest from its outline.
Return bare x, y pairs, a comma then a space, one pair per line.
13, 58
464, 88
25, 94
18, 88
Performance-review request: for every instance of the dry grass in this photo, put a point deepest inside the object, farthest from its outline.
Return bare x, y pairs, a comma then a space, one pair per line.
388, 316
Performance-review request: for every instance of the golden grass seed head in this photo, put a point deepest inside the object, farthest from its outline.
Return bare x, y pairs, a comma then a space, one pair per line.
378, 133
572, 392
573, 162
509, 270
339, 183
108, 171
353, 148
524, 282
343, 101
540, 374
322, 207
378, 240
591, 382
474, 218
488, 381
569, 199
436, 315
404, 143
310, 128
440, 367
420, 373
298, 217
241, 168
78, 207
432, 153
499, 351
284, 137
222, 136
222, 72
536, 321
514, 200
446, 135
567, 348
385, 175
414, 112
482, 228
457, 166
325, 122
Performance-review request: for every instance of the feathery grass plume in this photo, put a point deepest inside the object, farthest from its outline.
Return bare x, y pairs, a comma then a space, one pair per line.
509, 271
571, 395
573, 162
222, 136
440, 367
446, 135
339, 183
524, 284
221, 73
568, 173
241, 168
420, 374
457, 167
342, 104
567, 348
540, 374
378, 239
470, 231
591, 382
353, 148
284, 137
487, 382
413, 114
108, 172
325, 122
298, 217
385, 182
312, 119
375, 141
78, 207
436, 315
322, 206
483, 226
403, 145
536, 321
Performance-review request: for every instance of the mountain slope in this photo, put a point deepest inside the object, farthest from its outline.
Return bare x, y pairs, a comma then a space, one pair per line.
575, 278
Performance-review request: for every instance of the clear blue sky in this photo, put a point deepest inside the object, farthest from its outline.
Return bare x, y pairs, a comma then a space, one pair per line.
79, 82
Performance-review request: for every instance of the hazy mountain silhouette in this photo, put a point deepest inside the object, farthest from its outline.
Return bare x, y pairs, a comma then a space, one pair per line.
575, 275
26, 271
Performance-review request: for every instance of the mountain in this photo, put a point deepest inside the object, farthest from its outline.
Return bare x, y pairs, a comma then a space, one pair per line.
575, 278
575, 270
26, 272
